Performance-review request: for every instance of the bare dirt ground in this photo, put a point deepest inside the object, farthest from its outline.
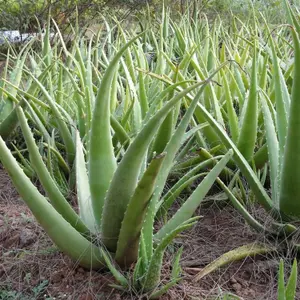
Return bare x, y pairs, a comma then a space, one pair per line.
32, 268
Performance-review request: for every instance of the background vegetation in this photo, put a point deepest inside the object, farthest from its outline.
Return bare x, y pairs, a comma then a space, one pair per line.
25, 15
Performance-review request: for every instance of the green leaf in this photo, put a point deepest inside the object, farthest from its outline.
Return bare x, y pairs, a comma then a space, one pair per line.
281, 284
83, 188
128, 242
248, 132
290, 290
189, 207
102, 162
118, 275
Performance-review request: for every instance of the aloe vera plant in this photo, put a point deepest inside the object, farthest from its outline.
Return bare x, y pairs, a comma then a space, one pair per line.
117, 200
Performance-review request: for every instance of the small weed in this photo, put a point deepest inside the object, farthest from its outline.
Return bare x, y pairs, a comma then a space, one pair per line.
36, 292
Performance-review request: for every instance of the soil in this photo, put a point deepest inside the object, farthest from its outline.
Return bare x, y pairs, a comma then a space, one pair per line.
32, 268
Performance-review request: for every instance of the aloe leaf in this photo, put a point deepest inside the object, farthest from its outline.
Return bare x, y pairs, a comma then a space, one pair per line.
15, 78
241, 209
176, 269
282, 100
239, 253
143, 255
25, 164
38, 121
186, 148
152, 278
289, 197
189, 163
248, 132
239, 159
46, 47
63, 128
177, 137
167, 200
128, 242
56, 198
83, 188
281, 285
102, 162
260, 157
189, 207
29, 94
167, 127
232, 117
161, 96
264, 73
290, 290
141, 81
66, 237
8, 116
60, 160
158, 293
118, 275
137, 272
273, 152
164, 134
120, 132
4, 76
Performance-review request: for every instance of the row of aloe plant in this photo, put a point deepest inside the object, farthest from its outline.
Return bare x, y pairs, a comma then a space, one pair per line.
279, 110
111, 126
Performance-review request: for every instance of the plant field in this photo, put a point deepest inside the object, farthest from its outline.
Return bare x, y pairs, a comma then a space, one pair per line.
152, 159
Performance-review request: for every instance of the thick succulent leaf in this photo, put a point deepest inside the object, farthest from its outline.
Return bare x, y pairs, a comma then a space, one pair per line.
66, 237
248, 132
281, 283
62, 125
176, 269
189, 207
15, 78
289, 198
167, 200
290, 291
83, 188
102, 161
273, 152
234, 255
53, 192
232, 117
282, 100
241, 162
128, 242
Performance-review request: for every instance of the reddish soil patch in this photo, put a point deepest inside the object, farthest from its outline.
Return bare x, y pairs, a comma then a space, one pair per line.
32, 268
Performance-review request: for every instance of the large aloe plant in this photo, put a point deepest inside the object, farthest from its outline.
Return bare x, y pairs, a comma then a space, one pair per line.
118, 200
